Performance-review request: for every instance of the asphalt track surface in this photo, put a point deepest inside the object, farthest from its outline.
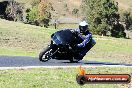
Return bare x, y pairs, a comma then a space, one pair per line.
20, 61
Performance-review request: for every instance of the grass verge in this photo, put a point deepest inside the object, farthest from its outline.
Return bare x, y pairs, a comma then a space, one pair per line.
55, 78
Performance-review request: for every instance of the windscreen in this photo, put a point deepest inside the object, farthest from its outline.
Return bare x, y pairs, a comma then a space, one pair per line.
62, 37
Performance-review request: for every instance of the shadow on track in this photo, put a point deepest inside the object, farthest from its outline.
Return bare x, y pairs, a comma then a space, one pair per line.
105, 63
97, 63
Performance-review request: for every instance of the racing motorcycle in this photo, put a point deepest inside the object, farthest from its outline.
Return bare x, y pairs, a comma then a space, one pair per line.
63, 47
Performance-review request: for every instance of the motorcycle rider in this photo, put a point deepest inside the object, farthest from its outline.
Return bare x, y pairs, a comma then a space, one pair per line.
85, 35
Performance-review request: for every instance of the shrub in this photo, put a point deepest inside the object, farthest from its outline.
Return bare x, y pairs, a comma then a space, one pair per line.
40, 14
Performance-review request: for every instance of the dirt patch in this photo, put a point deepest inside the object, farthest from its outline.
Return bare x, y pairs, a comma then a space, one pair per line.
126, 85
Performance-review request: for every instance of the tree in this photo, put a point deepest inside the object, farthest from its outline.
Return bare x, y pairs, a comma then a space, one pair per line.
128, 20
40, 14
44, 12
118, 30
33, 14
14, 11
101, 14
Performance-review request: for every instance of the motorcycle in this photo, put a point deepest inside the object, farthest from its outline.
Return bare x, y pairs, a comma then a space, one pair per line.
63, 47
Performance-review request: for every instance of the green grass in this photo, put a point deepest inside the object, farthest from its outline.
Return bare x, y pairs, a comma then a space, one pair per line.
18, 39
54, 78
17, 52
111, 50
22, 39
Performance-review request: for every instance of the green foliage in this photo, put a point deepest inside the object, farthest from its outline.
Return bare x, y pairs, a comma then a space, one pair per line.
102, 29
128, 19
33, 14
130, 27
101, 15
40, 14
118, 30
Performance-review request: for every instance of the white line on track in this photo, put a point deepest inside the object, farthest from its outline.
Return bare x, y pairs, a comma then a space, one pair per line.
53, 67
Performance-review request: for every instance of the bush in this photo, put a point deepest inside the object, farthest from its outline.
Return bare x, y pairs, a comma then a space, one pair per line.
118, 31
32, 15
14, 11
40, 14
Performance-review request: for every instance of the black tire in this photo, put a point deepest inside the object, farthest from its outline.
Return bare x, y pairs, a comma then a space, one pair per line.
42, 53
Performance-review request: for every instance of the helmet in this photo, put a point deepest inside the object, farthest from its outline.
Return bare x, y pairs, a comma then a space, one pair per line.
83, 26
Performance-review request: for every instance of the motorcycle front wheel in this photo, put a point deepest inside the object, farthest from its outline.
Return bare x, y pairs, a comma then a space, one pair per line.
45, 55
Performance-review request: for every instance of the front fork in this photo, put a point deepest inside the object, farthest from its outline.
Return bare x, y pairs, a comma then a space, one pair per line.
54, 49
